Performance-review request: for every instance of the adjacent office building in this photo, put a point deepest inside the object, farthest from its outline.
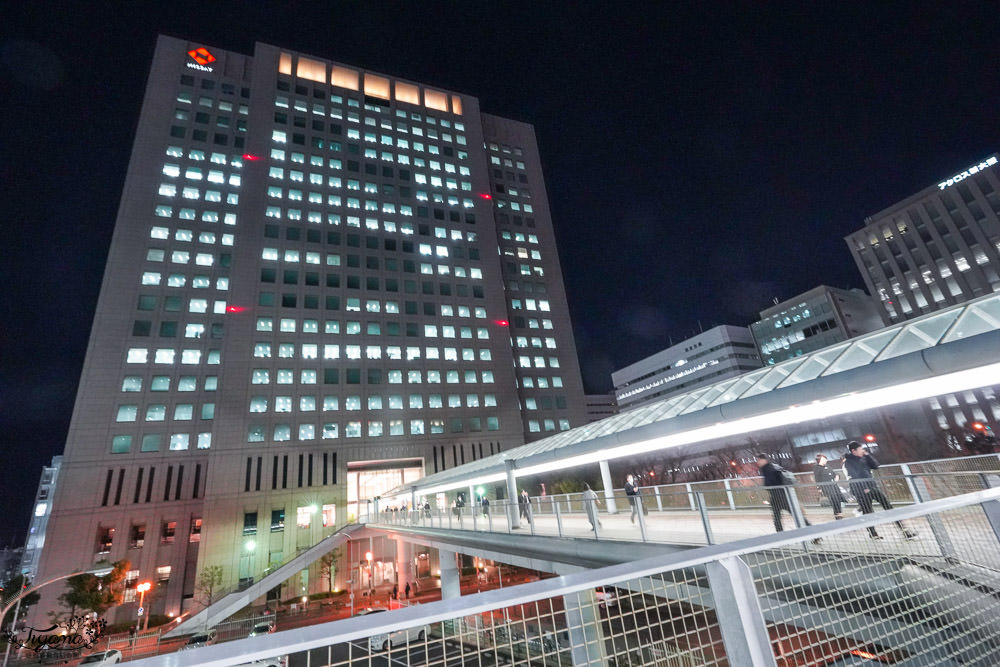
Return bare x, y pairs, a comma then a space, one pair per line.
812, 320
938, 247
40, 517
719, 353
600, 406
323, 282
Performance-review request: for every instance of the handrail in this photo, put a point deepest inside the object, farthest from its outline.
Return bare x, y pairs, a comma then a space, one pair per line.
336, 632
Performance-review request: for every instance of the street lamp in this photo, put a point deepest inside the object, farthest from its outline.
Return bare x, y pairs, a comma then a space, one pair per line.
142, 588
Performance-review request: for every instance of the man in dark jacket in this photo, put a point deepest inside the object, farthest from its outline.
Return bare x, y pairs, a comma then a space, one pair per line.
859, 465
632, 492
826, 478
775, 479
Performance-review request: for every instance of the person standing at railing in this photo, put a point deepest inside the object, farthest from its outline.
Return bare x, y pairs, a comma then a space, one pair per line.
524, 506
590, 502
859, 465
634, 499
779, 484
826, 478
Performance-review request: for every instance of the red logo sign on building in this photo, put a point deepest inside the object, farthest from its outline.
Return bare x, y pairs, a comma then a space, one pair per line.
201, 56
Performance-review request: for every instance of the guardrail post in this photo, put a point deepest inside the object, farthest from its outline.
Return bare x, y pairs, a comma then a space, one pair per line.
609, 489
691, 500
913, 488
703, 511
659, 502
793, 504
992, 511
640, 506
729, 494
738, 612
555, 507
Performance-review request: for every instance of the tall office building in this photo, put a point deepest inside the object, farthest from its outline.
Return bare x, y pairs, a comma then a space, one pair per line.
936, 248
323, 282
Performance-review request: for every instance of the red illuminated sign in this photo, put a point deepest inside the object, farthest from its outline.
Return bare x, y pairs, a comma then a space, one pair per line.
201, 56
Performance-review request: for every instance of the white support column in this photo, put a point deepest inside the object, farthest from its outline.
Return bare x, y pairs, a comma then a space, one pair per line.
451, 585
584, 627
738, 611
609, 489
513, 511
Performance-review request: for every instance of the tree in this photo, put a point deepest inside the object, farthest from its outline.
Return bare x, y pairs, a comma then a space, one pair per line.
90, 593
209, 584
328, 566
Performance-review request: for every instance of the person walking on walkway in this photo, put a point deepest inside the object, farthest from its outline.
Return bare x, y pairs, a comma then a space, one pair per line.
590, 502
632, 491
859, 465
826, 478
778, 482
524, 505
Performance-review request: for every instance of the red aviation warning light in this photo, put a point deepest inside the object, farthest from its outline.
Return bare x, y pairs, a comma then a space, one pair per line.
249, 157
486, 195
235, 309
201, 55
502, 323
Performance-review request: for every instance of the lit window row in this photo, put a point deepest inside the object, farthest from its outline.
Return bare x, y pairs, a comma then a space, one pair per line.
184, 97
497, 148
522, 253
514, 206
265, 350
371, 429
393, 376
236, 161
260, 404
157, 412
525, 361
334, 259
151, 442
171, 190
133, 383
507, 162
197, 173
530, 382
530, 304
534, 426
141, 355
290, 325
523, 341
507, 235
163, 211
275, 192
181, 280
282, 102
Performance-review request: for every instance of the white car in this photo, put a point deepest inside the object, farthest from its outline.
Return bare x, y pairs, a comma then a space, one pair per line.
265, 628
112, 657
199, 640
385, 641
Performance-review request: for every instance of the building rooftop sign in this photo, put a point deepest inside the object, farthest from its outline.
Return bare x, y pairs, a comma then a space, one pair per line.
974, 169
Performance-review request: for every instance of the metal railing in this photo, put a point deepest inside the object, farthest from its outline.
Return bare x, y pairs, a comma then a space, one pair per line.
696, 514
926, 594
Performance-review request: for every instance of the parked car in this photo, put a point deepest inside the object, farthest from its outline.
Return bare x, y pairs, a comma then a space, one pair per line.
112, 657
263, 628
200, 639
385, 641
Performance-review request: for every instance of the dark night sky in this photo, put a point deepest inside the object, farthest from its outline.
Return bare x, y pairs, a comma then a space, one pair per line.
700, 160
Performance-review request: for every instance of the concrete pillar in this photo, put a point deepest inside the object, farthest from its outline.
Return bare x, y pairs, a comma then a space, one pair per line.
405, 569
609, 489
451, 585
513, 513
584, 627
